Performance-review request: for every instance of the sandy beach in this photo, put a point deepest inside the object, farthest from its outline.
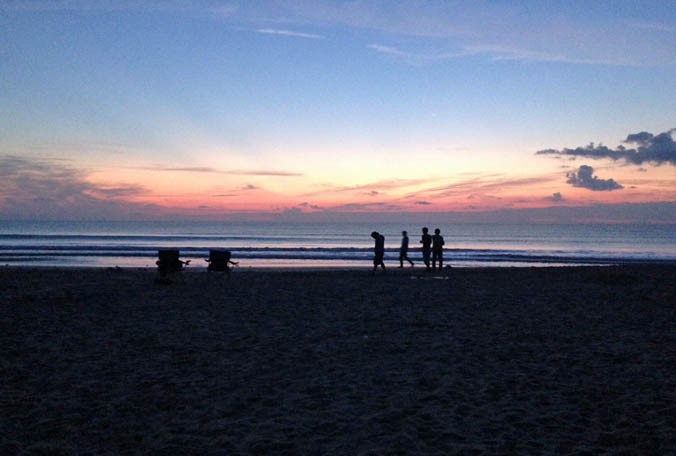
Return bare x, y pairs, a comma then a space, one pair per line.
473, 361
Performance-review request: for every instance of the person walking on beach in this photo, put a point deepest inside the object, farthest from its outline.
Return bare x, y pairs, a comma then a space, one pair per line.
378, 251
403, 250
426, 242
437, 249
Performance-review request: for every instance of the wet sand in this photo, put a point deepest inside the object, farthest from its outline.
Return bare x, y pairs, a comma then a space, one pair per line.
499, 361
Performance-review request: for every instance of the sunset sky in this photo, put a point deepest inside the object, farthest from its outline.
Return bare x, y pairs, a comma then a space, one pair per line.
217, 109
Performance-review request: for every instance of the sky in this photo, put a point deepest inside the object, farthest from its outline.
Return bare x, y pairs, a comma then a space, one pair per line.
218, 110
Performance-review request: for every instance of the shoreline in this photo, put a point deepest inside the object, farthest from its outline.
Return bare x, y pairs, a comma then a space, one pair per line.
365, 265
493, 360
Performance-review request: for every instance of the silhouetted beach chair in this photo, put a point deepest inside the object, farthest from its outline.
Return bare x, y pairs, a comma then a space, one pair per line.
219, 261
169, 262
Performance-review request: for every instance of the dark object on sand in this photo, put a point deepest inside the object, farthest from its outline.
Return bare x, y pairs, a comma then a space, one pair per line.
169, 262
219, 261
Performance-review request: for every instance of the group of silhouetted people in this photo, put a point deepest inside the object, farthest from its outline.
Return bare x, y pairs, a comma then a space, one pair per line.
432, 248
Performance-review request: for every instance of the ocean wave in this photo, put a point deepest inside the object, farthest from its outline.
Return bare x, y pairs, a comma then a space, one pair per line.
137, 244
11, 254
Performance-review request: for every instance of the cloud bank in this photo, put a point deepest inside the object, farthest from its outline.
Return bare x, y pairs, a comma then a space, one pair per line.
50, 189
648, 149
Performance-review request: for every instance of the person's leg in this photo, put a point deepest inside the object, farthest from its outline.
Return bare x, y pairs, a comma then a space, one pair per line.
378, 261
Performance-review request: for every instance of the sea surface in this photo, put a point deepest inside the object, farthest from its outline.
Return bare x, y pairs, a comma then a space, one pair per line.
277, 244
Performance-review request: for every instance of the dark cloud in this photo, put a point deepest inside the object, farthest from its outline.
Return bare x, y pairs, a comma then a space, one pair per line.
556, 197
584, 178
310, 206
364, 207
648, 148
423, 203
117, 192
642, 139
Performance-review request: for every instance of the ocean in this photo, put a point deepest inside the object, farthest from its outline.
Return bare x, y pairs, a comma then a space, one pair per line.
278, 244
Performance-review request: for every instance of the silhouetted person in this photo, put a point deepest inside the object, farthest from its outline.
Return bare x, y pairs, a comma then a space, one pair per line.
426, 242
378, 251
437, 249
403, 250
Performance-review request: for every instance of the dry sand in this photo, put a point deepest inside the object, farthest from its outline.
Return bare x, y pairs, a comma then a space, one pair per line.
498, 361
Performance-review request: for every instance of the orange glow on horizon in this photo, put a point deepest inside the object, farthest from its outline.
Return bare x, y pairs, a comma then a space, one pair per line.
203, 190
